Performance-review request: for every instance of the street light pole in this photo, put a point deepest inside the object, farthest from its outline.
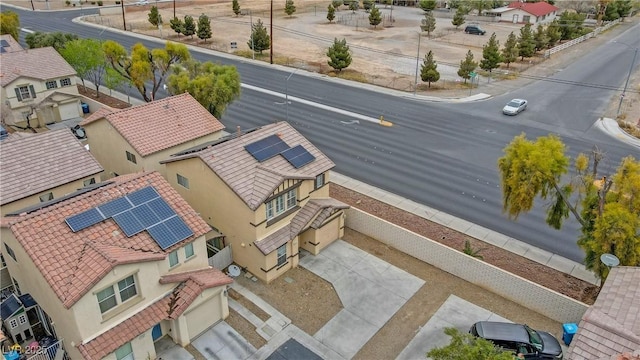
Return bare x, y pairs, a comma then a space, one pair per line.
124, 22
417, 64
253, 51
633, 62
271, 35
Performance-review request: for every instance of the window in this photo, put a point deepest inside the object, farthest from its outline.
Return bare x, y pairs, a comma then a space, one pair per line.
25, 92
89, 182
173, 258
526, 19
291, 199
13, 323
281, 204
131, 157
319, 181
4, 263
107, 299
65, 82
188, 250
22, 319
10, 252
124, 352
52, 84
46, 197
183, 181
282, 254
127, 288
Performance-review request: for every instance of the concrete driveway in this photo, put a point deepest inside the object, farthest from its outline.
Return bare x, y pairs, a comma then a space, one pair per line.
223, 342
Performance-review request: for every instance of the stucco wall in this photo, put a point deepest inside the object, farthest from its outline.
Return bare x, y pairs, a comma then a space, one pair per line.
41, 92
524, 292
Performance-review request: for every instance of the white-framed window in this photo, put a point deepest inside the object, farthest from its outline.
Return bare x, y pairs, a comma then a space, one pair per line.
52, 84
282, 254
291, 199
46, 197
319, 181
131, 157
13, 323
526, 19
89, 182
65, 82
281, 204
10, 252
25, 92
124, 352
127, 287
108, 298
188, 250
22, 319
183, 181
173, 258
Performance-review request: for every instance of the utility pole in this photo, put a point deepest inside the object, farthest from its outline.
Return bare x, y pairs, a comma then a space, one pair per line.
174, 9
253, 51
417, 64
32, 7
124, 22
271, 35
633, 62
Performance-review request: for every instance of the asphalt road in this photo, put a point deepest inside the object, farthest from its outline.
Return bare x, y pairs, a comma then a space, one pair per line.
440, 154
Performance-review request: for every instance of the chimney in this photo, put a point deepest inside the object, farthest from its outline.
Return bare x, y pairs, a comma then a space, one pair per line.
238, 130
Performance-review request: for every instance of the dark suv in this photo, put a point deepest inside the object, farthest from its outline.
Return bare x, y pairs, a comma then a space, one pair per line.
520, 339
474, 29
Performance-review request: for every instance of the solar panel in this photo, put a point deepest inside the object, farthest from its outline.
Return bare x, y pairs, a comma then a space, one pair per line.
266, 148
84, 219
163, 237
2, 50
128, 223
143, 195
145, 215
178, 227
4, 43
161, 208
298, 156
114, 207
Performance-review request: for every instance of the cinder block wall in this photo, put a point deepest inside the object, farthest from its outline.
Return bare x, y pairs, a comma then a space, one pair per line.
522, 291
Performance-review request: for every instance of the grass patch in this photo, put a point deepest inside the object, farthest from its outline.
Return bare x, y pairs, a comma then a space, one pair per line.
628, 127
351, 75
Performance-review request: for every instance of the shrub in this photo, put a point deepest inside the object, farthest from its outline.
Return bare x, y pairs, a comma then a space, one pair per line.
99, 2
93, 3
68, 2
117, 2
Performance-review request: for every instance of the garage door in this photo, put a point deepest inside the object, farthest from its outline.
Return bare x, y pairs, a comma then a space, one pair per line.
68, 111
204, 316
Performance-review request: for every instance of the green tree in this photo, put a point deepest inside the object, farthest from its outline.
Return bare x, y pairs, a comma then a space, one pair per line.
428, 23
261, 39
428, 70
526, 42
336, 4
427, 5
143, 65
353, 6
331, 13
339, 55
189, 28
214, 86
611, 12
459, 17
56, 39
464, 346
607, 206
289, 7
204, 27
510, 49
570, 25
10, 24
235, 5
177, 25
624, 7
467, 66
367, 5
553, 33
541, 39
87, 59
154, 16
374, 17
480, 5
491, 57
454, 4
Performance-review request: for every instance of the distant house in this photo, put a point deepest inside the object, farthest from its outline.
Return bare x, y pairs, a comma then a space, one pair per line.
116, 267
267, 191
611, 326
38, 87
526, 12
137, 138
20, 317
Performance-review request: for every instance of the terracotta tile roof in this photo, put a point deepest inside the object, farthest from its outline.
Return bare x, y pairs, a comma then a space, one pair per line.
538, 9
39, 162
254, 181
41, 64
611, 326
160, 124
12, 44
312, 214
73, 266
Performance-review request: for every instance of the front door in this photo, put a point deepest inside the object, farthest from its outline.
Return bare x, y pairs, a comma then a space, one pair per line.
515, 18
156, 332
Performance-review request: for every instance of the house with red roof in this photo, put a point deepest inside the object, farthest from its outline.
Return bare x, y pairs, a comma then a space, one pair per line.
519, 12
138, 138
267, 191
116, 266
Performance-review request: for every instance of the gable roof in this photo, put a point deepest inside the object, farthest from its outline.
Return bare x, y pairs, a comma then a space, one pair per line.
160, 124
34, 163
538, 9
251, 180
41, 64
73, 266
611, 326
9, 44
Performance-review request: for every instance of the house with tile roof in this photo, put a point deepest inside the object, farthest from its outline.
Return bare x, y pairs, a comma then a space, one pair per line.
267, 191
117, 266
9, 44
39, 87
519, 12
611, 326
138, 138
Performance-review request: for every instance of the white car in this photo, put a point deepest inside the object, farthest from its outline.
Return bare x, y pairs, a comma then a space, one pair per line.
142, 2
514, 107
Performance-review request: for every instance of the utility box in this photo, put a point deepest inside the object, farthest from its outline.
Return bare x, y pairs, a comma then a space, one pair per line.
85, 108
568, 330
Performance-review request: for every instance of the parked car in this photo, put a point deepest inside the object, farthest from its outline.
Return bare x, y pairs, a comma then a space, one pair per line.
520, 339
474, 29
514, 107
142, 2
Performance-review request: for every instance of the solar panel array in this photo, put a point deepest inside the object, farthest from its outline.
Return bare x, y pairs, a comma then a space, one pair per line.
298, 156
140, 210
266, 148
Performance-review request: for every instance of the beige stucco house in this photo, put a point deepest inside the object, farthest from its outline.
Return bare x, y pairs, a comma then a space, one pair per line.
38, 88
520, 12
267, 191
137, 138
117, 267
